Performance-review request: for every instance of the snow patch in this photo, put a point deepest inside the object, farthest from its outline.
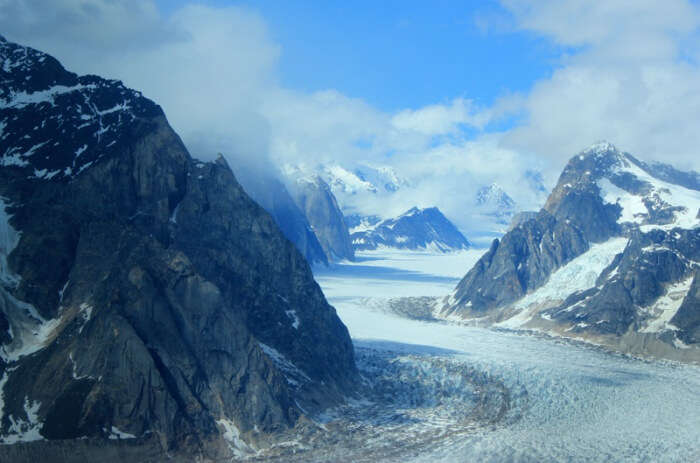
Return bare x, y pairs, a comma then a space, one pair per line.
292, 314
665, 307
115, 433
21, 430
284, 364
232, 434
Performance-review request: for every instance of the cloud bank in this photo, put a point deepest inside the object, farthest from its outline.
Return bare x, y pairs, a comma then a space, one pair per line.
630, 74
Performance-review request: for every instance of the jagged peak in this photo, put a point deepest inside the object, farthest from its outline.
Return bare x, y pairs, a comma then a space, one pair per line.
601, 146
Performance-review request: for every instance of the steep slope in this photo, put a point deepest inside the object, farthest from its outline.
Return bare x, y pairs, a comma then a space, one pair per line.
276, 199
414, 229
144, 297
611, 257
314, 197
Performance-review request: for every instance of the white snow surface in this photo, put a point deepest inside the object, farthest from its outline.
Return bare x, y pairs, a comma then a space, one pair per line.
584, 404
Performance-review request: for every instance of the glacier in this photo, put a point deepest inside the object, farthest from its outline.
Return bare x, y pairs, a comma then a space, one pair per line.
568, 401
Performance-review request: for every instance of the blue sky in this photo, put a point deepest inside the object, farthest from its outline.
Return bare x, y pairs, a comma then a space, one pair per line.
452, 95
398, 54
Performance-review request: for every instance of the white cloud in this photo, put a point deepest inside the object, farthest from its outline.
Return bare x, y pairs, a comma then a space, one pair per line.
627, 81
630, 78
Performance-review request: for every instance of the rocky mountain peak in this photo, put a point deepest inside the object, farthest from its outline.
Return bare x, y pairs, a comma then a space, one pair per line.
494, 196
143, 294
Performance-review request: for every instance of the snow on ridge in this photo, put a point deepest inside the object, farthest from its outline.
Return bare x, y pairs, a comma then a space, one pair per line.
634, 209
20, 100
600, 147
343, 180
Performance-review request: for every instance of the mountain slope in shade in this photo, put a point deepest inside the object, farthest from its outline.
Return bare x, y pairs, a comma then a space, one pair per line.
415, 229
610, 258
149, 309
275, 198
314, 197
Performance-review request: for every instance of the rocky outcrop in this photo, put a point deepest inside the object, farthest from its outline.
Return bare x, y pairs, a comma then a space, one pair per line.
314, 197
611, 257
144, 296
414, 229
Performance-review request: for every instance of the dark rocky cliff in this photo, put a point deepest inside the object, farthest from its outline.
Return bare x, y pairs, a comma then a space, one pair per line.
144, 296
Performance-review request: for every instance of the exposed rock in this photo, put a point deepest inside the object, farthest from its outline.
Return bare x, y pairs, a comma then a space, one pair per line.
143, 295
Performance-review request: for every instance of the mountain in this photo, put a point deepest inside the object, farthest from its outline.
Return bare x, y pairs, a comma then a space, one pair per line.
495, 204
362, 179
612, 257
314, 197
275, 198
149, 309
414, 229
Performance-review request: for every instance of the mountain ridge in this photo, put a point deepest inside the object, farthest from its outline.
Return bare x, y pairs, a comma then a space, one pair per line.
603, 260
144, 296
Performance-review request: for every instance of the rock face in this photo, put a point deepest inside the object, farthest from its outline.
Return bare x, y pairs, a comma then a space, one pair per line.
414, 229
143, 295
314, 197
274, 196
613, 256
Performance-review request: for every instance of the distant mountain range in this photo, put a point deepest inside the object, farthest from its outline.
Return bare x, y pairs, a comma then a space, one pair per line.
613, 257
426, 229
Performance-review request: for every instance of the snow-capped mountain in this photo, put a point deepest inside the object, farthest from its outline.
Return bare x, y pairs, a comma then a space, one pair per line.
495, 204
149, 309
415, 229
614, 257
361, 179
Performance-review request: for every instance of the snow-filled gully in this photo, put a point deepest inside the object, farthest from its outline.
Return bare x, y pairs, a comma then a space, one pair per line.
444, 392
